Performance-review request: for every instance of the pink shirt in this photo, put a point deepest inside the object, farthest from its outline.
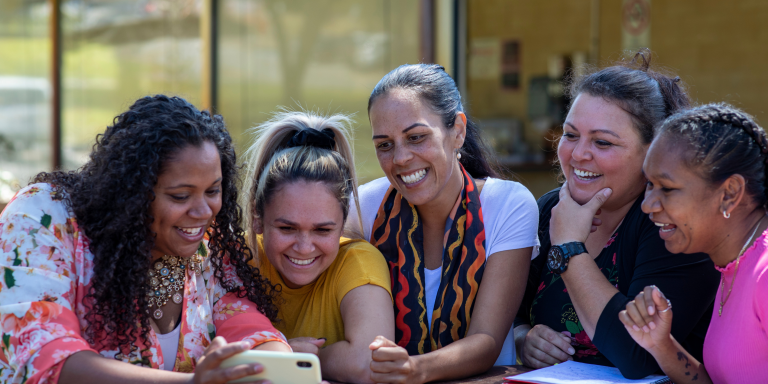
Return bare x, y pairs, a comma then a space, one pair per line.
736, 346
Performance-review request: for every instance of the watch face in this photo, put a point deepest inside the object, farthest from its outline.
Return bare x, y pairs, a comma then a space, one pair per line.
555, 258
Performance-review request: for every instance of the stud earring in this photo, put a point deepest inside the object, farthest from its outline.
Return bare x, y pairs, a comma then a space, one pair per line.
726, 215
458, 155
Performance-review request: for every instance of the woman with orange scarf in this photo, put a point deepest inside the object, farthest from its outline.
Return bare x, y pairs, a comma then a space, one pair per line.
458, 240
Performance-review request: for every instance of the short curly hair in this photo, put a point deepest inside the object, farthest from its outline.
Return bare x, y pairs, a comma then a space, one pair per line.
111, 197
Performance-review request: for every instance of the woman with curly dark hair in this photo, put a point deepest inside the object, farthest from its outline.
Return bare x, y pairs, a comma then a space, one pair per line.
111, 260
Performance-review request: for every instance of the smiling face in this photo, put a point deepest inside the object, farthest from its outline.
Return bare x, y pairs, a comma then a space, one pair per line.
302, 225
601, 148
684, 205
415, 150
187, 199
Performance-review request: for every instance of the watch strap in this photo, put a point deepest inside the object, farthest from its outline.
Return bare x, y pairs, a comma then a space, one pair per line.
574, 248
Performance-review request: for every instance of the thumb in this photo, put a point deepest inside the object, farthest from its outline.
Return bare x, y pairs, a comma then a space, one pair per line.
381, 341
565, 193
663, 306
599, 199
318, 342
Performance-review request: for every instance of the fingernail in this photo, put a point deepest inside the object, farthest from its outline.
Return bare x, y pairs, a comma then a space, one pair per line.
645, 329
650, 309
607, 192
571, 351
248, 344
635, 327
652, 325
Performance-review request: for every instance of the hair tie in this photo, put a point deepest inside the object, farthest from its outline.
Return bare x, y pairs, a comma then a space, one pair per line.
308, 137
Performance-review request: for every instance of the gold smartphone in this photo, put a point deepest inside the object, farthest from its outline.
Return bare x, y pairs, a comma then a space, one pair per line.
279, 367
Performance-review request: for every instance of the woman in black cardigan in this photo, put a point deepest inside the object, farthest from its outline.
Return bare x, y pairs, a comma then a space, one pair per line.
582, 280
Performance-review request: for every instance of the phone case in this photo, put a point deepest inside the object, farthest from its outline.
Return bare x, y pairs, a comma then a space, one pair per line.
279, 367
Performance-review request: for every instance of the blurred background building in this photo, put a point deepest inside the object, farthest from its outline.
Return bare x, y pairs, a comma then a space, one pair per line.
67, 67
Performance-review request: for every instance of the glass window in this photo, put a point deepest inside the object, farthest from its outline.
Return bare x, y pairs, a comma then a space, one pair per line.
115, 51
25, 94
312, 54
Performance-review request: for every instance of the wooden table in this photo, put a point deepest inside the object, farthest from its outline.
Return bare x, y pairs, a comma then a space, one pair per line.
494, 375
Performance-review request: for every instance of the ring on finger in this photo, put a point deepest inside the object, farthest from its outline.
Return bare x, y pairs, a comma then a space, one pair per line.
669, 306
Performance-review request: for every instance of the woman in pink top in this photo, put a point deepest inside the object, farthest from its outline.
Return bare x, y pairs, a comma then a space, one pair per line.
706, 191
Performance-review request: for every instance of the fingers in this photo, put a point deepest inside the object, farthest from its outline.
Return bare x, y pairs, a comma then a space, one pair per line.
389, 354
216, 343
559, 345
599, 199
544, 347
306, 344
387, 366
638, 323
303, 347
213, 359
595, 223
224, 375
381, 341
629, 324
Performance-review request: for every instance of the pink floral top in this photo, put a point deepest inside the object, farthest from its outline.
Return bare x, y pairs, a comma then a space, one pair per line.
46, 269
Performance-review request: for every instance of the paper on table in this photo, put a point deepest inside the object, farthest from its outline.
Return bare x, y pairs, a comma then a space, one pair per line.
572, 372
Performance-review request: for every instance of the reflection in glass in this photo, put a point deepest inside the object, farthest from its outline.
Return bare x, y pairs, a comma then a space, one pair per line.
325, 55
25, 92
115, 51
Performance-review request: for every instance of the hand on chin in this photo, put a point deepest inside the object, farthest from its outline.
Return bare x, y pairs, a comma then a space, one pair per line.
571, 221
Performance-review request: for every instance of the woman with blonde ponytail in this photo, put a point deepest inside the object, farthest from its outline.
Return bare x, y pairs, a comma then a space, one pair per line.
335, 290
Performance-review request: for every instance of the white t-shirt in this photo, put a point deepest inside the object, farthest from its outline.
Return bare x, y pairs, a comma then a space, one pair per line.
169, 343
510, 218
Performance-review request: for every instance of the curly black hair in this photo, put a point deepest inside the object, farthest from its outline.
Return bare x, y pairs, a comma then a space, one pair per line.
111, 197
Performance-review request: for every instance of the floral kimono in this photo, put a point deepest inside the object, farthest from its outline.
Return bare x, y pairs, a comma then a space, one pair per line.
46, 269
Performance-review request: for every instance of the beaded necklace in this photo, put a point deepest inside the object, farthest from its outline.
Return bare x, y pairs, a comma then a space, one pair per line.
166, 281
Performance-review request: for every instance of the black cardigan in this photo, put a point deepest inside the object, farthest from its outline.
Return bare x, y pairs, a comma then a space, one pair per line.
689, 281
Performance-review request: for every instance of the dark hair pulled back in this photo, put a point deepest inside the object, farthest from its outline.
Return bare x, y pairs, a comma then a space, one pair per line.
434, 86
719, 141
647, 95
111, 196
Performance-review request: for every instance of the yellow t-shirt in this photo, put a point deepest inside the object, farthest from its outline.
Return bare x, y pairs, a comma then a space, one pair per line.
313, 310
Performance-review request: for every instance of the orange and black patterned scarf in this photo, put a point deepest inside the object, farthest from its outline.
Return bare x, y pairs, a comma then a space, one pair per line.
398, 234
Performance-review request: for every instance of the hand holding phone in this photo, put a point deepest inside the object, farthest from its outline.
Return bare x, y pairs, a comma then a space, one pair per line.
278, 367
209, 369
